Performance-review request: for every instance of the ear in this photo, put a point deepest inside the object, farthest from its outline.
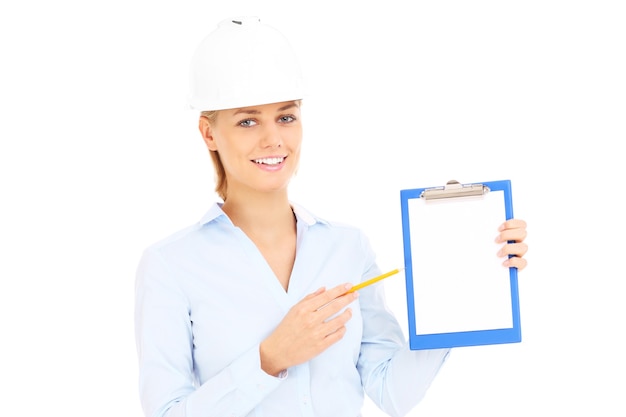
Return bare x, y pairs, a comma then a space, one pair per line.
206, 130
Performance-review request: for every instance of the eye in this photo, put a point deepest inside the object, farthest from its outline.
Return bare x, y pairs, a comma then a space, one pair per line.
247, 123
286, 118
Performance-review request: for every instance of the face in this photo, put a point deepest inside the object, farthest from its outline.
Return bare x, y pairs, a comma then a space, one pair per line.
259, 146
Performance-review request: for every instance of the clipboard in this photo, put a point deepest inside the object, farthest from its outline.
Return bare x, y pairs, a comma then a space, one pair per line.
458, 292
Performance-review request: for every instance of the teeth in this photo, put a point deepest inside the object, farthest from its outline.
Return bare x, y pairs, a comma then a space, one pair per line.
269, 161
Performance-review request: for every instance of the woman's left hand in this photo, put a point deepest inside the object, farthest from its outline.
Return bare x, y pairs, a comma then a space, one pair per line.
514, 232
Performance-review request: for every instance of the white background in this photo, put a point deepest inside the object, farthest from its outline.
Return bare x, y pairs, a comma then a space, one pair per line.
99, 157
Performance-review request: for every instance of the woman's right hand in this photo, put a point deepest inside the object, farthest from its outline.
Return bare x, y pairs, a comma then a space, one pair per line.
308, 329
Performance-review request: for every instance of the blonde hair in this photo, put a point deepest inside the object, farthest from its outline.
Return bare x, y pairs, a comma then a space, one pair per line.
221, 185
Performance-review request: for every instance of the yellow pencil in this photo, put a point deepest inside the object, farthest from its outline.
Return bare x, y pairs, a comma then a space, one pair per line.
373, 280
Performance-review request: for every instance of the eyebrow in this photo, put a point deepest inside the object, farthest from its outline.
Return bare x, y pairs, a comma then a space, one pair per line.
253, 111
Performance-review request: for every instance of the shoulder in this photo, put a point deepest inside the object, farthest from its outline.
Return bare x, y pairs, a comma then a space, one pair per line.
186, 238
176, 238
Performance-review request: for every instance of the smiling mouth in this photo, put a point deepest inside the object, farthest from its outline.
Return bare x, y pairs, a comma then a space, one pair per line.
269, 161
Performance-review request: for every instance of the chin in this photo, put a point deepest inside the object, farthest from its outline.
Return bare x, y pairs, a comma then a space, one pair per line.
275, 188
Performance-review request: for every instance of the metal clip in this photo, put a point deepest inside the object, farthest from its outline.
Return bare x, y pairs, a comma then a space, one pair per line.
454, 189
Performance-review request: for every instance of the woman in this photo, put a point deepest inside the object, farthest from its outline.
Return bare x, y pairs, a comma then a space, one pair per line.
247, 312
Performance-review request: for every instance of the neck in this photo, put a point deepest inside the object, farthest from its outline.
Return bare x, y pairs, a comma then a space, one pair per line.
264, 211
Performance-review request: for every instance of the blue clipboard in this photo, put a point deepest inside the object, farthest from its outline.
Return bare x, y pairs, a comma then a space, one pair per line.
458, 292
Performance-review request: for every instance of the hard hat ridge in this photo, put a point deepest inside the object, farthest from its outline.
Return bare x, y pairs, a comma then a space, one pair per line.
244, 63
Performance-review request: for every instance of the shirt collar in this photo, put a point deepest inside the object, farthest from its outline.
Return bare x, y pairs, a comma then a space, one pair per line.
215, 212
305, 215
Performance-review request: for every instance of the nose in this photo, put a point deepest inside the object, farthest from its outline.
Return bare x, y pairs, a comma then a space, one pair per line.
271, 137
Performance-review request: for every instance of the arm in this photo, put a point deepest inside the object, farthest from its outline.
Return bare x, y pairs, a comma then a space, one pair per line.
387, 365
167, 382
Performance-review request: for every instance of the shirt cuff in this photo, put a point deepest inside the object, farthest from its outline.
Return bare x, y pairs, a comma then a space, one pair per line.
251, 380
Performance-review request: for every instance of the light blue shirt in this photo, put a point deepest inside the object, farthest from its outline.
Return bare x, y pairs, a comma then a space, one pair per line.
206, 298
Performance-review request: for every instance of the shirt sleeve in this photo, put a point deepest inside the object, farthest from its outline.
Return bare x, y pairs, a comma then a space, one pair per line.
167, 383
394, 377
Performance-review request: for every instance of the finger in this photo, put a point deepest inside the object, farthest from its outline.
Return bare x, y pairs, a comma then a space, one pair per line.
514, 249
515, 262
515, 235
326, 297
336, 323
513, 224
313, 294
336, 304
309, 303
334, 337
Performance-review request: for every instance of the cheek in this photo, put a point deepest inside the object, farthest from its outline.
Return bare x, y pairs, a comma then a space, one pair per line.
295, 141
295, 152
230, 148
228, 157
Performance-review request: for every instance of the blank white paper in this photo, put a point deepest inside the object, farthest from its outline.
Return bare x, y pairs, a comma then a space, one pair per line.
459, 282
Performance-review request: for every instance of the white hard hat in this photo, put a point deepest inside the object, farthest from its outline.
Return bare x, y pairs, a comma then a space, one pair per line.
244, 63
